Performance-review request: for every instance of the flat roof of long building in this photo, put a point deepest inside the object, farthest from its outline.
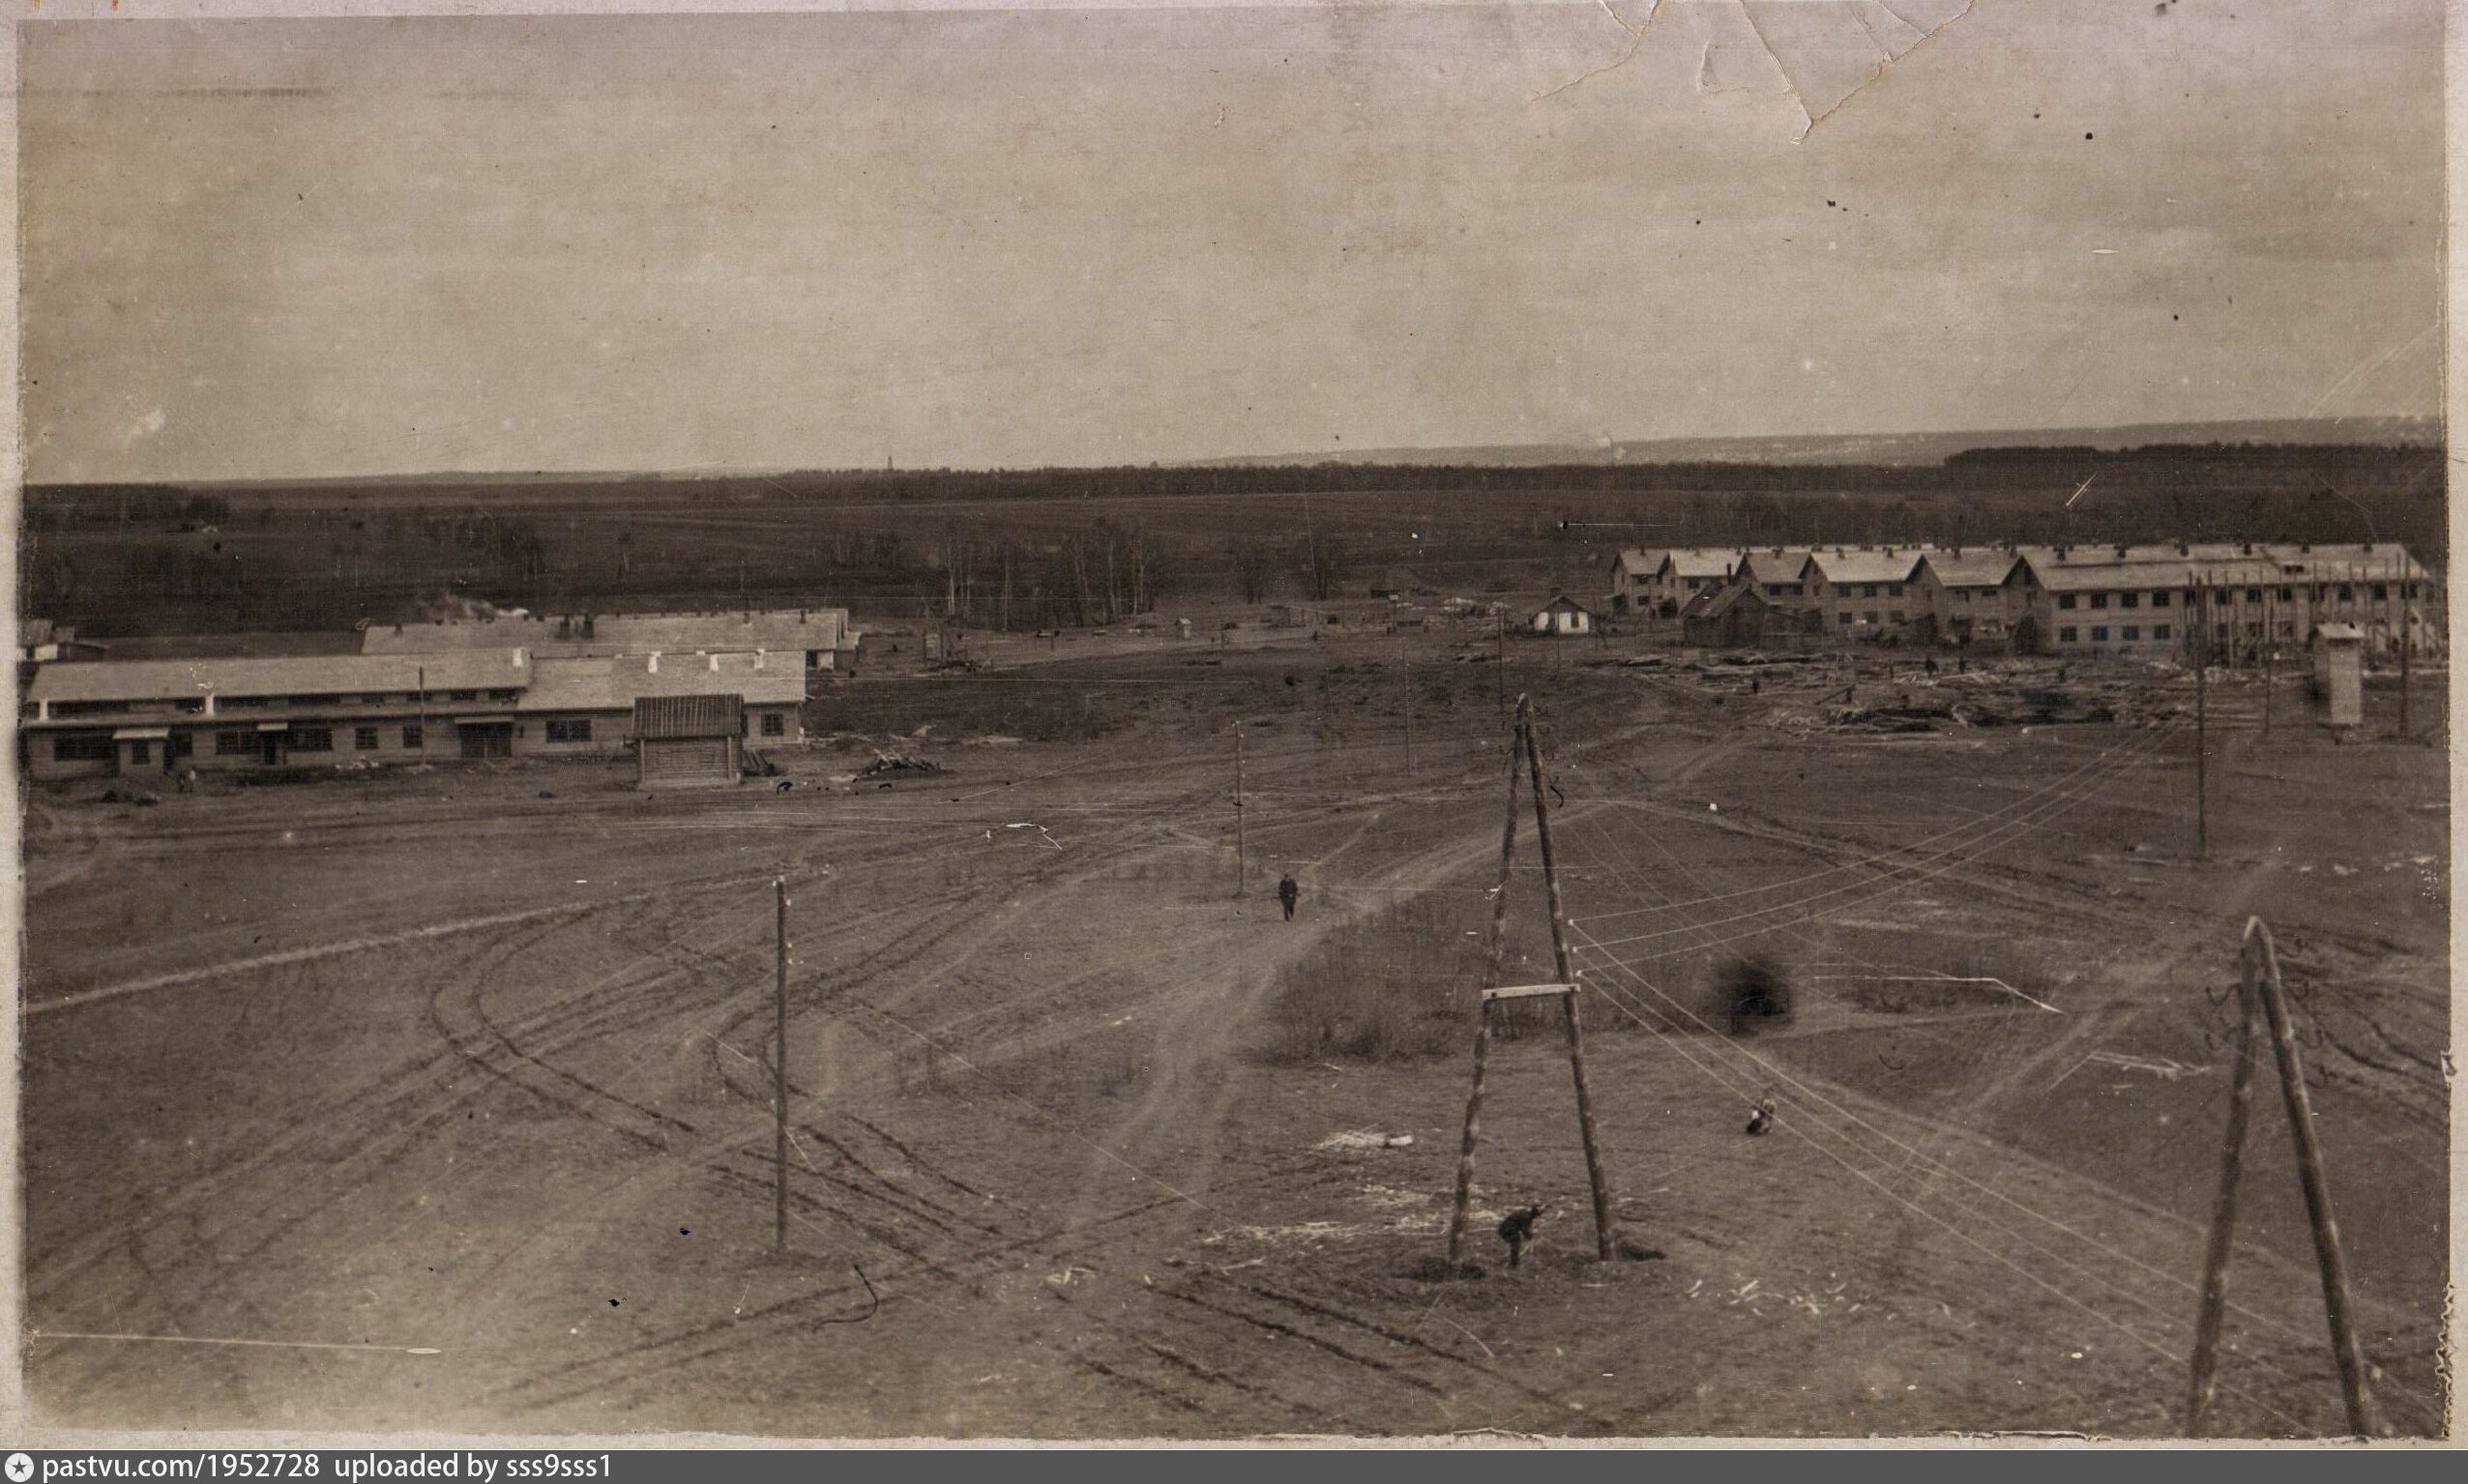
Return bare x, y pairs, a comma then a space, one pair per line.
303, 675
575, 683
797, 630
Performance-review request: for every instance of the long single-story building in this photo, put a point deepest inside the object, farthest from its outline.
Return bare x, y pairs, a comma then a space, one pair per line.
157, 716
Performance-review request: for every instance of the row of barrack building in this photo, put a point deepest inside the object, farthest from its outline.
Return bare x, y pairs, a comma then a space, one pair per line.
2238, 602
690, 694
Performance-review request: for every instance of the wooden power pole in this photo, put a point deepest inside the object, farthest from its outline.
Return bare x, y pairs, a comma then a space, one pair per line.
2260, 992
1406, 672
1495, 951
1565, 989
1500, 660
1238, 809
1568, 976
779, 1076
2201, 725
2399, 592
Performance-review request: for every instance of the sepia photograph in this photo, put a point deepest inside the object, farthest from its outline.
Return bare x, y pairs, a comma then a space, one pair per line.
1490, 724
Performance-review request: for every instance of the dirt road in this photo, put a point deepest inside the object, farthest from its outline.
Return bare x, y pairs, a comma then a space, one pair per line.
475, 1085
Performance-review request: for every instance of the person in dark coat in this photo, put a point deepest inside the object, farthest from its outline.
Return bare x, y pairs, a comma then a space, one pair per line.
1288, 894
1517, 1231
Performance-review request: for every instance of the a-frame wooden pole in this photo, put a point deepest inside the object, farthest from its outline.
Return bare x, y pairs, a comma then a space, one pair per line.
2309, 1172
1567, 1001
2223, 1213
2260, 990
1483, 1013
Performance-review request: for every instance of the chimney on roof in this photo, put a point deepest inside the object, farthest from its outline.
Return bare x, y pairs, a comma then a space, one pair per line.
2121, 548
654, 667
565, 626
519, 658
715, 661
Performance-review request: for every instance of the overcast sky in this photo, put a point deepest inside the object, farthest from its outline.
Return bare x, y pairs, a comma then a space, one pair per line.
333, 247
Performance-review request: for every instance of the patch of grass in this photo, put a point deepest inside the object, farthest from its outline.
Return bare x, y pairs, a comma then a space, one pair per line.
1399, 986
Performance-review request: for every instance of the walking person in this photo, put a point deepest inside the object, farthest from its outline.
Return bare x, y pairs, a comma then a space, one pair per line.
1287, 893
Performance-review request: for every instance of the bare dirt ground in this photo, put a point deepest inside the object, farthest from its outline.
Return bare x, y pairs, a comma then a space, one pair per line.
429, 1101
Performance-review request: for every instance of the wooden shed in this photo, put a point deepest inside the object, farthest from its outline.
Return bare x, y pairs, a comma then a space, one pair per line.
689, 741
1563, 615
2340, 672
1739, 616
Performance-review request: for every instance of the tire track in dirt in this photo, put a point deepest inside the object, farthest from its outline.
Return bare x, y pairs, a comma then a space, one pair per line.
381, 1103
405, 937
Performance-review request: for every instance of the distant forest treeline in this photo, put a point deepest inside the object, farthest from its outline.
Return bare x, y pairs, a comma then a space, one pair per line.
1032, 549
2156, 465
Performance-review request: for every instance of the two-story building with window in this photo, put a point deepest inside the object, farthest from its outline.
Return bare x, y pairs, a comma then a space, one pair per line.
1970, 596
1780, 576
1863, 592
1632, 574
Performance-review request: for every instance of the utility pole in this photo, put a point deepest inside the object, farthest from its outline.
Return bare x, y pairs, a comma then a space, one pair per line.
1500, 661
1237, 808
1312, 548
1483, 1012
2201, 725
779, 1078
2399, 592
2270, 655
1405, 669
1560, 957
423, 711
2261, 996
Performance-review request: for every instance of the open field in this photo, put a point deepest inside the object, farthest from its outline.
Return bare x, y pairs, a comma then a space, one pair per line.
445, 1094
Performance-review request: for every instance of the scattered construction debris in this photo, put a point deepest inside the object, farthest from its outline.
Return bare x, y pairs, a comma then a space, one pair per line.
892, 764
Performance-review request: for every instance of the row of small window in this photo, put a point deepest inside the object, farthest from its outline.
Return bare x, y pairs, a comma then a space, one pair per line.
2131, 633
99, 749
2158, 599
2159, 596
195, 705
